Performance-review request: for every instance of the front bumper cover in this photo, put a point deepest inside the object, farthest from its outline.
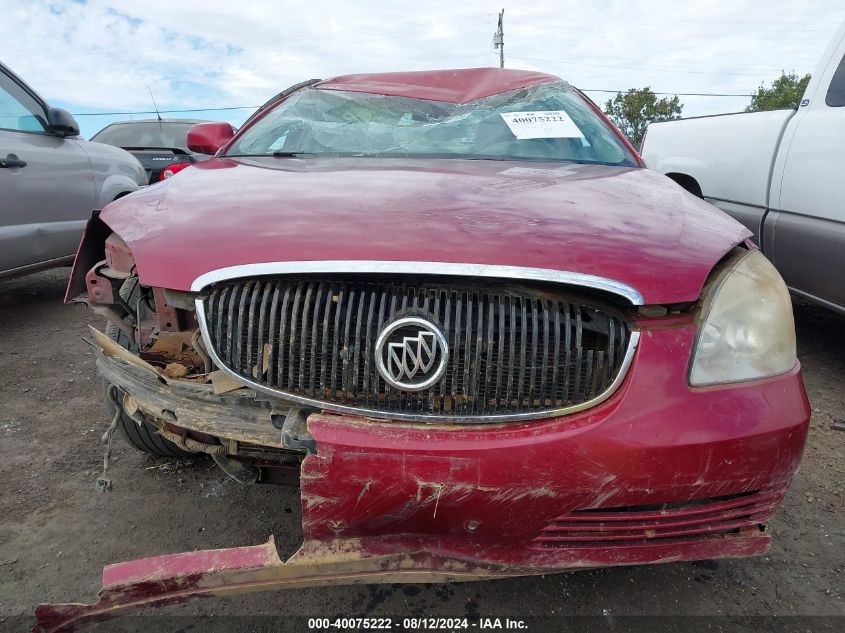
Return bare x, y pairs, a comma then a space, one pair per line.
660, 472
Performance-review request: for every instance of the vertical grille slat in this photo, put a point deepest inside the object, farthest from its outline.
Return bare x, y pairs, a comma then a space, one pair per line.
447, 321
476, 386
578, 350
273, 356
250, 333
261, 368
345, 371
544, 369
484, 399
556, 356
357, 345
315, 325
283, 327
567, 330
501, 358
467, 357
338, 311
511, 353
324, 342
369, 346
456, 346
532, 368
230, 328
305, 323
523, 353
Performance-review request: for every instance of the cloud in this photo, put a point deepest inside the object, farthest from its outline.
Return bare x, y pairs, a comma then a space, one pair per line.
200, 53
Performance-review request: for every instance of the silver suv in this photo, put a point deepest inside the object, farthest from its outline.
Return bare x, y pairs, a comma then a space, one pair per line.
50, 179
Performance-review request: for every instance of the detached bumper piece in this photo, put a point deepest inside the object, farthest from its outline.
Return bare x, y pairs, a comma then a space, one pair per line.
175, 578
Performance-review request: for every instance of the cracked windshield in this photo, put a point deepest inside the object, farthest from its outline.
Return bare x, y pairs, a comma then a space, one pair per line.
541, 123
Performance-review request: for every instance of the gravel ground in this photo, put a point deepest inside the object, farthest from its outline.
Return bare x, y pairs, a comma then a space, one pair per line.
56, 532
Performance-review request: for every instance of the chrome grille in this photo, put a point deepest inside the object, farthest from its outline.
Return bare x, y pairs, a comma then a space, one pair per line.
515, 351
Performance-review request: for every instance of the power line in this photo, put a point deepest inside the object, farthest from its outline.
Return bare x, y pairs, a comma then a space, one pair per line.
164, 111
633, 67
677, 94
780, 26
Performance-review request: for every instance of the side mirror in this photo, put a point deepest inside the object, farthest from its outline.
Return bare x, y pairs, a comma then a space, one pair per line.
207, 138
61, 122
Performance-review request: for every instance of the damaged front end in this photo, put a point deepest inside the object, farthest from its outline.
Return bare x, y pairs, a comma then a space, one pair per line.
152, 353
561, 433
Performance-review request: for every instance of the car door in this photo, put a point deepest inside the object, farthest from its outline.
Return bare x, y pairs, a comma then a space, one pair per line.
806, 227
46, 184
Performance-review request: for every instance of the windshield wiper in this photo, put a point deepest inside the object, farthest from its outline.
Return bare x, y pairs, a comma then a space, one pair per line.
291, 154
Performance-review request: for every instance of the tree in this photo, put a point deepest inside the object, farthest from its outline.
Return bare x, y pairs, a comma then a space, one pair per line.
635, 109
786, 92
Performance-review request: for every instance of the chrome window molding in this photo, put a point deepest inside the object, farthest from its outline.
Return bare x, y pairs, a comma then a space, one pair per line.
419, 268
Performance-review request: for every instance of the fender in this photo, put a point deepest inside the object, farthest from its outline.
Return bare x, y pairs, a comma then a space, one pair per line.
115, 186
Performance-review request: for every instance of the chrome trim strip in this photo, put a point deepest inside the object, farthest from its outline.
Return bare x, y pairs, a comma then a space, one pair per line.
633, 342
416, 268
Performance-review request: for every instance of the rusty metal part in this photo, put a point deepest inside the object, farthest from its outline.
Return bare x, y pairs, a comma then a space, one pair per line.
99, 286
181, 300
174, 347
240, 472
168, 317
189, 443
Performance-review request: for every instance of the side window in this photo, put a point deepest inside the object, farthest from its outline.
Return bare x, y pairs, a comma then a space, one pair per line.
18, 110
836, 92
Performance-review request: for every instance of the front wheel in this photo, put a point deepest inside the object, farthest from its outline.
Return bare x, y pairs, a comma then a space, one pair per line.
142, 436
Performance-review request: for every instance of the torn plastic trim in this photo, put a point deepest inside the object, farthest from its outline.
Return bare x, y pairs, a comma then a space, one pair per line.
242, 414
177, 578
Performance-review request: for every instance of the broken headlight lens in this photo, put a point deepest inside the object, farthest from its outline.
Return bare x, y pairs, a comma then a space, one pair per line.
746, 329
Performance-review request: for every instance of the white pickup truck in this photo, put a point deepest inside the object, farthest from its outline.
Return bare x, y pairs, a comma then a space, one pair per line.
781, 173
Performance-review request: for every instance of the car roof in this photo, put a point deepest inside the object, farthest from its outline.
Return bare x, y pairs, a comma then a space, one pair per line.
452, 86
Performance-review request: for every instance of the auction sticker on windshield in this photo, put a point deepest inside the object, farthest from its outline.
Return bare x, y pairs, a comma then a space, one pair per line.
545, 124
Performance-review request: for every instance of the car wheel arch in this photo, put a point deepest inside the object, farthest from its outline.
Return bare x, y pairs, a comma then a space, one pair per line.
687, 182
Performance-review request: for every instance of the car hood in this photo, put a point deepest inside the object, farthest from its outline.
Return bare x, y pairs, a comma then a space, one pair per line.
630, 225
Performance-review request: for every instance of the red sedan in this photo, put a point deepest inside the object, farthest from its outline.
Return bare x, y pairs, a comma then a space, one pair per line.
459, 310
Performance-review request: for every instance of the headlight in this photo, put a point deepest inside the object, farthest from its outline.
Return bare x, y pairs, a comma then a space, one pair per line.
746, 330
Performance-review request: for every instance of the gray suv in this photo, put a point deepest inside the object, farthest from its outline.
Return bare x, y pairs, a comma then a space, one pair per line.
50, 179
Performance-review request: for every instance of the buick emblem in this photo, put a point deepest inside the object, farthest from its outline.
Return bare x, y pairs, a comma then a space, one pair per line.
411, 353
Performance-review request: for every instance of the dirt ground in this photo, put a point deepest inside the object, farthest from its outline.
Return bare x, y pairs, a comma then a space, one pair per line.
56, 532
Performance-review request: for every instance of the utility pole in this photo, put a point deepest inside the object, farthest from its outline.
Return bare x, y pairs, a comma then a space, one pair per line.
499, 39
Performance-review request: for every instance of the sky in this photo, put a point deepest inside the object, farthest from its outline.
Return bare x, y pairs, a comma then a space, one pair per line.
101, 56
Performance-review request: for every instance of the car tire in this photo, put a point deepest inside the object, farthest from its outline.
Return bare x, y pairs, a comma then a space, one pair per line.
141, 436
